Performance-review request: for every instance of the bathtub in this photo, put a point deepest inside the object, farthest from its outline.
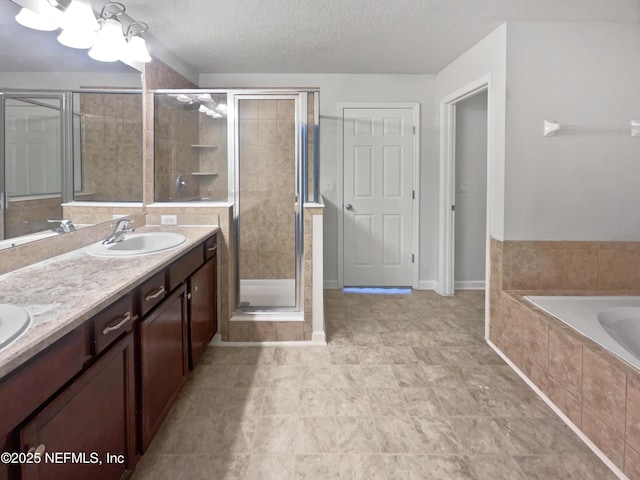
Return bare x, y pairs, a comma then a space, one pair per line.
612, 322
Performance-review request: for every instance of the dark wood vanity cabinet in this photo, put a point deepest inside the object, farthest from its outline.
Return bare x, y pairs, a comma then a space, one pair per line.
175, 334
202, 310
107, 386
93, 418
163, 362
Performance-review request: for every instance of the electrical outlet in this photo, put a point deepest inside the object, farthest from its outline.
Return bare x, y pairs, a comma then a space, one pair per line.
168, 219
329, 187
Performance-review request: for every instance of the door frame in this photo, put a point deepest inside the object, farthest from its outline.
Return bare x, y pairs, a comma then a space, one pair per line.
301, 185
446, 221
415, 107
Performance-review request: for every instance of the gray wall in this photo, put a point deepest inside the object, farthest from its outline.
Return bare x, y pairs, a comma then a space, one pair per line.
334, 89
471, 191
581, 184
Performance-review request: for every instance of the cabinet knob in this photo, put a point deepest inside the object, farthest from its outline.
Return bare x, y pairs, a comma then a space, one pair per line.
189, 296
39, 450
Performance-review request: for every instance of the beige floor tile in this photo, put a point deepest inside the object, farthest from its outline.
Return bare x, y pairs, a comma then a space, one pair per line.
351, 402
270, 467
407, 389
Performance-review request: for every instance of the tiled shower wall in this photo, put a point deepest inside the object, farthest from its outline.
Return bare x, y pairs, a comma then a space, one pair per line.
176, 130
212, 158
597, 391
29, 216
267, 189
111, 147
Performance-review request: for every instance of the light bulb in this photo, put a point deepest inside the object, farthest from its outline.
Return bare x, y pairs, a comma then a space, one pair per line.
47, 20
110, 44
137, 50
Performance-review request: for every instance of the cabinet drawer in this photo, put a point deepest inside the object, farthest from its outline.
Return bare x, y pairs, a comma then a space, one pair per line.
111, 323
152, 292
181, 269
32, 384
210, 247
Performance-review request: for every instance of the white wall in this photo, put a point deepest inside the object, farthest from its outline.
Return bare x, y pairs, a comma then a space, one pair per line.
578, 185
335, 89
68, 80
471, 191
487, 57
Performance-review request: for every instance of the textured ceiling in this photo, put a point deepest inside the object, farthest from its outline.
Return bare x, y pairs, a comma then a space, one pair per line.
26, 50
346, 36
308, 36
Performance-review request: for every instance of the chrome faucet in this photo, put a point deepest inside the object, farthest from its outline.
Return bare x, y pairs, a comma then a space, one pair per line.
65, 226
117, 235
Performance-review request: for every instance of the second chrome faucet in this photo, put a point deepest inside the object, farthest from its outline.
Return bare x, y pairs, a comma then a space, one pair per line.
117, 235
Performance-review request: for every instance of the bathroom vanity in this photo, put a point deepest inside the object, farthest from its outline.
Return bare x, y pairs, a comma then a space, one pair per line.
86, 388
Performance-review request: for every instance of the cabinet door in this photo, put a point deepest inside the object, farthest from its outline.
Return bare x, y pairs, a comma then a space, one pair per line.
94, 416
163, 362
202, 309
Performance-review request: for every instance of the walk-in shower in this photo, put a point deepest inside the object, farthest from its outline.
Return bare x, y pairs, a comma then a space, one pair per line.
256, 149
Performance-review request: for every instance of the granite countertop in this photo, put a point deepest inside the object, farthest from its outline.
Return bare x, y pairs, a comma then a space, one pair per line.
64, 291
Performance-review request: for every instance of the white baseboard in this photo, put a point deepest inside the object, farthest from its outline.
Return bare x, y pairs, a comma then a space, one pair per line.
560, 414
331, 284
427, 285
469, 285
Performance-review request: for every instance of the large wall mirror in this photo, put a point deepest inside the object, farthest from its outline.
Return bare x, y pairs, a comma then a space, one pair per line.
70, 129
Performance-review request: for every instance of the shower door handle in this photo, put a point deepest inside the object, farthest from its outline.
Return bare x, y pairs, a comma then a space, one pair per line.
296, 204
349, 207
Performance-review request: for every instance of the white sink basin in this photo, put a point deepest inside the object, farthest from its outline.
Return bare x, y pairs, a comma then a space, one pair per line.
135, 244
14, 321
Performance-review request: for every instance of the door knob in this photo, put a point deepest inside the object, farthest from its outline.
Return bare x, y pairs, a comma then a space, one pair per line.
349, 207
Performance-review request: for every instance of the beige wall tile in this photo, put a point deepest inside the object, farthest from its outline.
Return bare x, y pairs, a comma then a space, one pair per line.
535, 372
238, 332
262, 332
535, 338
565, 361
633, 412
605, 438
290, 331
604, 391
631, 463
566, 402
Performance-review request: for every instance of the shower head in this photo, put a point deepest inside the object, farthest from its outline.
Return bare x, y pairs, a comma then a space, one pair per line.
192, 105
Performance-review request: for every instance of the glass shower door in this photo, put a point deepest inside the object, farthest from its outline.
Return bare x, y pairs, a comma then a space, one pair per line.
266, 198
31, 163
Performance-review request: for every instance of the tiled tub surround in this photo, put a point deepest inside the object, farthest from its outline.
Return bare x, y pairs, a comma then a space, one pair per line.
598, 392
77, 286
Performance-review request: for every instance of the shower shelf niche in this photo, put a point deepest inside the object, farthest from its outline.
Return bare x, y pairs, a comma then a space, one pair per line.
204, 146
204, 174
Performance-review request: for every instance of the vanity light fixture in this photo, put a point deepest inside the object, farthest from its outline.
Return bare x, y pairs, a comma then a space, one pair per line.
110, 44
81, 29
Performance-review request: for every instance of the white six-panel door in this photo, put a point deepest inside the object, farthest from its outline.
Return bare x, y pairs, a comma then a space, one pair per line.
378, 196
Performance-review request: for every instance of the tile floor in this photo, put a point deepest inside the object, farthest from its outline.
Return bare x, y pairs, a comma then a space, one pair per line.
406, 389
